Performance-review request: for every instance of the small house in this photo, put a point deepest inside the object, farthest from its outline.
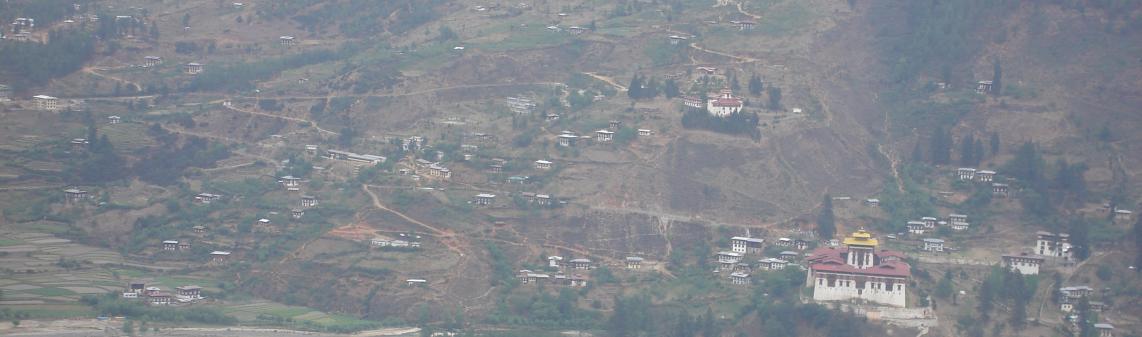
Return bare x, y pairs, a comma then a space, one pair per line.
74, 194
933, 245
45, 102
137, 287
966, 173
219, 256
555, 261
789, 256
78, 144
206, 198
576, 30
308, 201
746, 245
1104, 329
485, 199
578, 280
581, 263
170, 245
159, 298
771, 264
1023, 263
193, 68
872, 202
645, 132
960, 226
1053, 244
290, 181
189, 293
739, 279
114, 119
543, 199
1122, 214
745, 25
800, 244
955, 218
551, 116
729, 257
199, 229
287, 41
296, 213
785, 242
985, 176
983, 87
707, 70
542, 164
184, 245
567, 139
604, 136
930, 221
999, 189
152, 61
633, 262
675, 39
614, 125
416, 282
916, 227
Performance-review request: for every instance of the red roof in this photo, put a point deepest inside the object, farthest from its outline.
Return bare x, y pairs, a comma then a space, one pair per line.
829, 259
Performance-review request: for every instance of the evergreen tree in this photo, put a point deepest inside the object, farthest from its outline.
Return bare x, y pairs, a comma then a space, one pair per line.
755, 85
1027, 165
709, 328
1138, 243
635, 88
940, 151
967, 151
734, 85
917, 153
774, 97
994, 143
997, 78
826, 225
1080, 240
979, 152
670, 89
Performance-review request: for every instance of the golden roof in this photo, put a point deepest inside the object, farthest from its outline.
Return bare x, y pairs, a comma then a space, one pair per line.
860, 238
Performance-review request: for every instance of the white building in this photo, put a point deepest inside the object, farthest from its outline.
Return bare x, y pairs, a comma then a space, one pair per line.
771, 264
933, 245
1023, 263
858, 271
45, 102
739, 279
193, 68
542, 164
745, 245
966, 173
724, 104
1053, 245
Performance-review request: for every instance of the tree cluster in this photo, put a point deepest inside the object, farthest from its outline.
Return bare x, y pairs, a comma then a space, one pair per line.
29, 64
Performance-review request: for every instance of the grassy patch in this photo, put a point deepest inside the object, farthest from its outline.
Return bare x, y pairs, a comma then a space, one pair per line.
786, 19
532, 38
53, 311
9, 242
51, 292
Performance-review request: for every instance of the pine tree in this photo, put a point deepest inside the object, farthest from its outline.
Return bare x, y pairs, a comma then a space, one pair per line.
917, 153
967, 151
940, 147
979, 152
670, 89
755, 85
774, 97
826, 221
635, 88
997, 79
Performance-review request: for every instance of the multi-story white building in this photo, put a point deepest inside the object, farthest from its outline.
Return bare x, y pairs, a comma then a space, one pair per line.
1053, 244
1023, 263
744, 245
859, 271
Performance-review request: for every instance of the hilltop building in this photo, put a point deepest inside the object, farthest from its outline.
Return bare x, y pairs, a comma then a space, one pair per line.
858, 271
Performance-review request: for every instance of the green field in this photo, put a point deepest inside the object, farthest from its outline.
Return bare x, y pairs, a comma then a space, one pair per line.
51, 292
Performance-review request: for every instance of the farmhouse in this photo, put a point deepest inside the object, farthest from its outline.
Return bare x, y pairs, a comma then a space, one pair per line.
114, 119
367, 159
74, 194
771, 264
604, 136
416, 282
933, 245
915, 227
308, 201
800, 244
872, 202
727, 260
170, 245
1104, 329
159, 298
199, 229
188, 293
193, 68
966, 173
645, 132
983, 87
746, 245
1122, 214
485, 199
287, 41
206, 198
739, 279
567, 139
296, 213
290, 181
151, 61
985, 176
858, 271
1023, 263
1071, 296
785, 242
219, 256
724, 104
542, 164
675, 39
1053, 245
633, 262
581, 263
692, 103
614, 125
555, 261
999, 189
929, 221
45, 102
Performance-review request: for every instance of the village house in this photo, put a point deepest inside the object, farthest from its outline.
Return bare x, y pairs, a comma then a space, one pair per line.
1122, 214
633, 262
45, 102
983, 87
692, 103
130, 295
366, 159
1023, 263
707, 70
188, 293
287, 41
170, 245
771, 264
576, 30
21, 37
74, 195
437, 171
542, 164
724, 104
739, 279
485, 199
577, 280
872, 202
1069, 297
604, 136
114, 119
745, 25
1104, 329
551, 117
789, 256
296, 213
567, 139
966, 173
933, 245
152, 61
727, 260
784, 242
290, 181
159, 298
614, 125
311, 149
1053, 245
206, 198
800, 244
555, 261
184, 245
78, 144
675, 39
543, 199
915, 227
858, 271
416, 282
960, 226
199, 229
520, 106
929, 221
999, 189
136, 287
746, 245
219, 256
581, 263
308, 201
645, 132
985, 176
193, 68
5, 93
151, 291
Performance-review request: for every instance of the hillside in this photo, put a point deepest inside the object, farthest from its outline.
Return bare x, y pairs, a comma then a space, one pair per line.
331, 130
